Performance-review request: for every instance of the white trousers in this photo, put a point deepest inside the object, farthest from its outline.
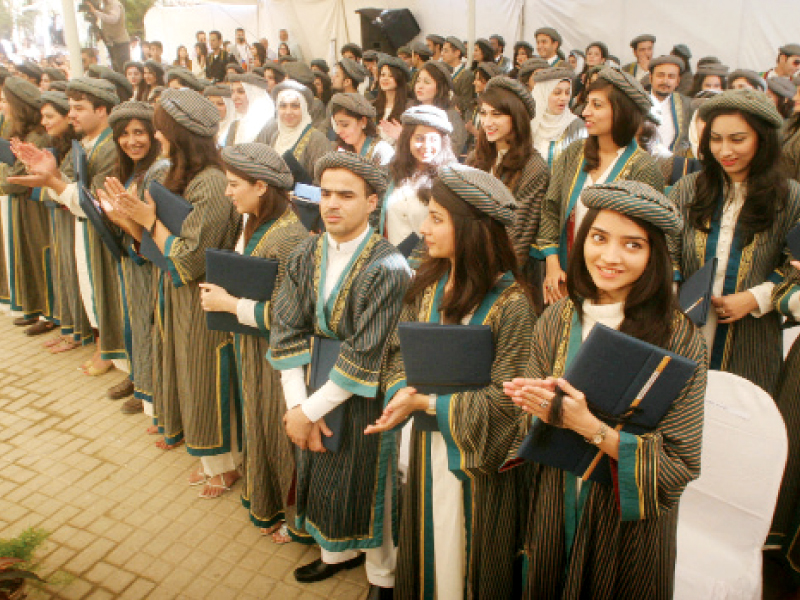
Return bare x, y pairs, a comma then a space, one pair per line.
221, 463
4, 208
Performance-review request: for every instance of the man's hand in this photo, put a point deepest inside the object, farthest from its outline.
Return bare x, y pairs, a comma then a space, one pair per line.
298, 427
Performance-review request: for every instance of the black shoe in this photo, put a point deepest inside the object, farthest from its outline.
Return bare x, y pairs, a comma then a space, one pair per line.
377, 592
319, 571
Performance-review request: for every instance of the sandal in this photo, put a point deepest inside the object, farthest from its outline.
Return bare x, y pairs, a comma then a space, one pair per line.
163, 445
222, 487
94, 371
203, 478
270, 530
54, 341
152, 430
65, 346
282, 536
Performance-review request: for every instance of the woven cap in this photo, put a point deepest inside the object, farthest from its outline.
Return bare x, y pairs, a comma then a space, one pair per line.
421, 48
668, 59
186, 77
249, 78
154, 66
132, 109
353, 70
782, 86
515, 87
716, 69
531, 66
260, 162
291, 84
629, 86
118, 79
645, 37
222, 91
436, 38
549, 32
191, 110
397, 63
635, 199
54, 74
355, 103
321, 64
354, 48
481, 190
31, 69
489, 69
370, 56
752, 78
790, 49
443, 68
300, 72
553, 74
683, 51
57, 99
99, 88
457, 44
26, 91
429, 116
359, 165
752, 102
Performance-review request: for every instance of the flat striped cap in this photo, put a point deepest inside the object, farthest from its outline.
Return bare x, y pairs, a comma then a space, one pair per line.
59, 86
249, 78
436, 38
300, 72
531, 66
118, 79
191, 110
668, 59
428, 116
356, 103
501, 82
23, 89
682, 50
260, 162
752, 102
782, 86
352, 47
554, 74
645, 37
353, 70
186, 77
132, 109
132, 63
291, 84
321, 64
273, 66
457, 44
629, 86
54, 74
713, 69
481, 190
31, 69
443, 68
489, 69
223, 91
635, 199
750, 76
56, 98
421, 48
370, 56
154, 66
549, 32
99, 88
359, 165
790, 49
397, 63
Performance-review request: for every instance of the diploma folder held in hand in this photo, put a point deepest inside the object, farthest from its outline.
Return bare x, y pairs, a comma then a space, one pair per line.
696, 292
793, 241
6, 155
629, 384
306, 199
171, 210
249, 277
324, 354
445, 359
100, 222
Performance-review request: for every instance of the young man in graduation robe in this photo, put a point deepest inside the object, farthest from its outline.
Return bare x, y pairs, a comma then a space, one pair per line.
675, 108
453, 55
642, 46
90, 101
548, 45
788, 62
346, 284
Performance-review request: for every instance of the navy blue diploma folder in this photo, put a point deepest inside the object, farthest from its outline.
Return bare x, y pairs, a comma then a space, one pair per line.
101, 223
407, 246
695, 294
6, 155
324, 354
241, 276
306, 199
793, 241
627, 383
171, 210
80, 163
445, 359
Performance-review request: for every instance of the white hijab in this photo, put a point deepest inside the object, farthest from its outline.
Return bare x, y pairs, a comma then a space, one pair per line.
580, 62
225, 124
545, 126
288, 136
694, 138
259, 110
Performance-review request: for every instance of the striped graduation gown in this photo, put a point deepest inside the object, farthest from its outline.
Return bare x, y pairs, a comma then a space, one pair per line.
529, 187
574, 131
478, 428
611, 542
5, 293
749, 347
566, 183
681, 110
193, 368
308, 149
791, 152
340, 496
267, 454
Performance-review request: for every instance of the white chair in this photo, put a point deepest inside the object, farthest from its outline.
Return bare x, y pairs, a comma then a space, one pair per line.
725, 515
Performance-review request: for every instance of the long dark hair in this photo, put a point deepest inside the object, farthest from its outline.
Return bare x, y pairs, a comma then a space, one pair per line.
767, 188
443, 86
521, 143
785, 106
63, 141
400, 95
261, 52
792, 126
651, 302
141, 89
370, 130
486, 51
272, 203
699, 78
26, 119
189, 154
126, 168
483, 252
627, 120
201, 50
403, 164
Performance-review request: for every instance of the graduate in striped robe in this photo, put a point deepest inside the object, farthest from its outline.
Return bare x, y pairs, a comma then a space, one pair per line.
454, 53
555, 126
346, 285
617, 105
675, 108
258, 185
394, 96
458, 529
5, 294
354, 123
193, 368
584, 539
739, 209
791, 141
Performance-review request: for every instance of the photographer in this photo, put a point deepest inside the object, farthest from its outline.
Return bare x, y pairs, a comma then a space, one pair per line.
112, 30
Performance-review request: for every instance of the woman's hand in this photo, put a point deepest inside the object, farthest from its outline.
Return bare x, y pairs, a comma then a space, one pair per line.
555, 281
40, 165
112, 213
405, 402
391, 128
535, 396
734, 307
215, 299
126, 202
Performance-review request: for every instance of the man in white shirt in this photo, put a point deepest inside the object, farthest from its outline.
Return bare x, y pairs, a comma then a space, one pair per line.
242, 50
788, 62
642, 46
675, 109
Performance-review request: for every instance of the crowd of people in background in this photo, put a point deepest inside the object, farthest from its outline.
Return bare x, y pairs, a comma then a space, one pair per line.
543, 192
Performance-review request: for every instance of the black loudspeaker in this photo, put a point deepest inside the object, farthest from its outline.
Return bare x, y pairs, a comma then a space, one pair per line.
386, 30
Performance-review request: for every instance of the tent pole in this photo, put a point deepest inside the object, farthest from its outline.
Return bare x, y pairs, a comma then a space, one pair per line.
73, 42
470, 30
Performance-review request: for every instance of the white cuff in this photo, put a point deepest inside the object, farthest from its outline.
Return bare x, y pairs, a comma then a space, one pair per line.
763, 295
246, 312
432, 404
69, 198
324, 400
293, 382
794, 306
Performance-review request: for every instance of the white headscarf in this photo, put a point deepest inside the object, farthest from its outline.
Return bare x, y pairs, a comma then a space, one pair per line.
545, 126
694, 138
288, 136
225, 124
579, 62
259, 110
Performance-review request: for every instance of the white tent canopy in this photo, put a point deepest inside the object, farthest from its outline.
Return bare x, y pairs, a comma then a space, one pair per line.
741, 33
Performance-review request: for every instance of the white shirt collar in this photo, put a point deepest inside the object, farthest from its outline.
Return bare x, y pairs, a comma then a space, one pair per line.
346, 247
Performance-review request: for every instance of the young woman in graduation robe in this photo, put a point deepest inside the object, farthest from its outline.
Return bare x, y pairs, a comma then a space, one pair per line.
394, 97
585, 539
258, 186
616, 107
354, 123
505, 149
193, 370
434, 87
555, 126
739, 209
138, 165
76, 331
458, 530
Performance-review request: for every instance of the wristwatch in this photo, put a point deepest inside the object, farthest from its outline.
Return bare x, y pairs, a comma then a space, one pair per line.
598, 437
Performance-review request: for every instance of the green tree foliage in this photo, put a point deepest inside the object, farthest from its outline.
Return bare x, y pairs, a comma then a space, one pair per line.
135, 11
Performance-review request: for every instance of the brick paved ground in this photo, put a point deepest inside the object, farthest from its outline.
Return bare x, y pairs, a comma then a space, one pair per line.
124, 522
